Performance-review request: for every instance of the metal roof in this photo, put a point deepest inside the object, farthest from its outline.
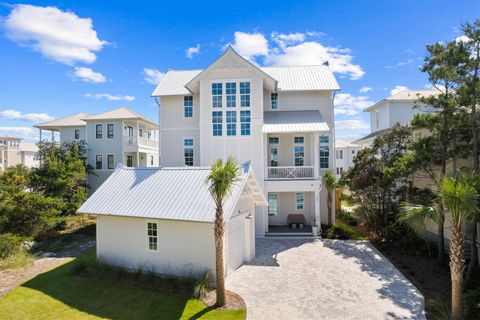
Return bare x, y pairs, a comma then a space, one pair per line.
295, 78
28, 146
165, 193
75, 120
405, 95
345, 144
293, 121
372, 135
120, 114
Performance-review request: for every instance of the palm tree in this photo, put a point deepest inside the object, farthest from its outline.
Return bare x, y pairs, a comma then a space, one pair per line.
330, 183
222, 178
458, 195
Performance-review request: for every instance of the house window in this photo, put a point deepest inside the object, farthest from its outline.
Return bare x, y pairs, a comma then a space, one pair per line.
110, 130
231, 123
129, 161
245, 122
324, 139
98, 131
339, 154
187, 151
188, 106
299, 201
377, 119
98, 162
324, 152
140, 132
273, 142
151, 160
216, 95
217, 123
274, 100
245, 94
299, 151
152, 236
77, 134
339, 170
272, 205
110, 161
231, 92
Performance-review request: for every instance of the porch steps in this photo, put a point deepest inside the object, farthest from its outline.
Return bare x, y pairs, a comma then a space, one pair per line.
289, 235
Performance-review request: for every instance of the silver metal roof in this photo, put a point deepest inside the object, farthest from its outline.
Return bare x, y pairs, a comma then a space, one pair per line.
295, 78
120, 113
293, 121
165, 193
75, 120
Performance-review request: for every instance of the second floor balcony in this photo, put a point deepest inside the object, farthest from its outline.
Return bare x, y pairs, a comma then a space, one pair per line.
291, 173
139, 141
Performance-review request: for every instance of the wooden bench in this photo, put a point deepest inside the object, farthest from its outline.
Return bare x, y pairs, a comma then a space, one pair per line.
296, 219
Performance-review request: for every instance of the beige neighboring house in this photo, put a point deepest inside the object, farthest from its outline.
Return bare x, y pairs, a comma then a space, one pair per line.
14, 151
345, 152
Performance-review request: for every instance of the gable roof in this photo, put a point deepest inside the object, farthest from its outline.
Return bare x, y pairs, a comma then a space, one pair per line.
290, 78
166, 193
119, 114
405, 95
74, 120
339, 143
372, 135
293, 121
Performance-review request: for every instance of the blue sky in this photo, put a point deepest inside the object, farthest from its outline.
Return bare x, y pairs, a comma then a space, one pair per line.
63, 57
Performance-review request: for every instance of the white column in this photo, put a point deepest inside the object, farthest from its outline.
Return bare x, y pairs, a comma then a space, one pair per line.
138, 159
316, 155
40, 135
317, 209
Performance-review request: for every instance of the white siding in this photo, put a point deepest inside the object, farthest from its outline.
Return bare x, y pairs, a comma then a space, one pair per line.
68, 133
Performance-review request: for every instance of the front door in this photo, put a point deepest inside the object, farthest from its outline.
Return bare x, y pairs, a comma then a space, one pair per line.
129, 161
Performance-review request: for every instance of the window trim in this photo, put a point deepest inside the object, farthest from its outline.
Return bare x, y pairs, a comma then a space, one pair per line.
276, 203
297, 144
192, 147
108, 161
96, 161
185, 107
99, 125
113, 131
302, 201
147, 236
75, 131
272, 100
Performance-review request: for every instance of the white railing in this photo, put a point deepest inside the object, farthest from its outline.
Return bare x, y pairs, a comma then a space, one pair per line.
290, 173
139, 141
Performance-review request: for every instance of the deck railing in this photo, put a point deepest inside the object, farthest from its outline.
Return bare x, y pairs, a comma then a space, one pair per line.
290, 173
140, 141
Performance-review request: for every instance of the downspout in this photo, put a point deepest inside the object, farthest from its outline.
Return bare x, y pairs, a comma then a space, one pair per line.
157, 101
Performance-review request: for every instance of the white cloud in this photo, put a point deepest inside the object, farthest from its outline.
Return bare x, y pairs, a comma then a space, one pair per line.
110, 97
152, 76
58, 35
190, 52
250, 45
401, 63
12, 114
351, 129
24, 131
88, 75
398, 89
462, 38
283, 39
350, 105
365, 89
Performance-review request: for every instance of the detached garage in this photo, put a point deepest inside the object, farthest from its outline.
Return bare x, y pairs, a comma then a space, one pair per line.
162, 219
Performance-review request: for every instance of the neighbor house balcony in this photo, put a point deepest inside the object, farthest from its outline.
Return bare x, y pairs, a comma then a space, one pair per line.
290, 173
139, 141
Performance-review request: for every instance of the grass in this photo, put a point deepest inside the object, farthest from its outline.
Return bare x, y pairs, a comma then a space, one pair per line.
59, 294
16, 260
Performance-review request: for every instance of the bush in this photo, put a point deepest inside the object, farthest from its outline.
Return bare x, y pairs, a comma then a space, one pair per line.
13, 251
202, 287
471, 304
9, 244
341, 232
348, 217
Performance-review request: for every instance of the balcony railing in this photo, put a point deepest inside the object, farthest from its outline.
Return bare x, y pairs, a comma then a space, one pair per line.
139, 141
290, 173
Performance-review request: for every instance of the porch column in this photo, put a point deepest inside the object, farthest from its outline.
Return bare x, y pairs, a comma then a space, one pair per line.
317, 209
138, 159
53, 136
40, 135
316, 155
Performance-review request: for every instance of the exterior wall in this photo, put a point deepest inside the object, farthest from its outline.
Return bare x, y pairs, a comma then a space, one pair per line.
28, 159
172, 147
403, 112
383, 114
185, 248
287, 205
286, 154
349, 154
68, 133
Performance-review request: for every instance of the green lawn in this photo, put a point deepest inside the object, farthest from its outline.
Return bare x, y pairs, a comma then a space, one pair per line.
58, 294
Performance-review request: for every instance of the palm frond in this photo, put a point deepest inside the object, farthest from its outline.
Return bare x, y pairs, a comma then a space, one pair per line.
416, 216
222, 178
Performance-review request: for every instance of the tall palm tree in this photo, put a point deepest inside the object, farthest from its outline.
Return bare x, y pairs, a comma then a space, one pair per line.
458, 195
330, 183
223, 176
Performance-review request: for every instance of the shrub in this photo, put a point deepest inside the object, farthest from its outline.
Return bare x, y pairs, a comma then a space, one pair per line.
341, 232
9, 244
348, 217
13, 251
202, 287
471, 304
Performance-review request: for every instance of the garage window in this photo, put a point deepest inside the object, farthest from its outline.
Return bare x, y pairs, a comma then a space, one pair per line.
152, 236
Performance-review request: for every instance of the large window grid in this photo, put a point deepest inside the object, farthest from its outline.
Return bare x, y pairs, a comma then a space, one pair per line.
231, 92
231, 123
245, 94
324, 152
273, 146
217, 95
188, 106
245, 121
299, 151
217, 123
188, 151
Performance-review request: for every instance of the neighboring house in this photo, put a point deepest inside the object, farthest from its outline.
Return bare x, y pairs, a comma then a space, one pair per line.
161, 219
345, 152
13, 151
398, 108
279, 118
116, 136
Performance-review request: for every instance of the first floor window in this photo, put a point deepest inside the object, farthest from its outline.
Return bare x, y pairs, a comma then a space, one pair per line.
98, 162
77, 134
324, 154
110, 130
272, 205
110, 161
217, 123
152, 236
274, 100
299, 200
188, 106
231, 123
129, 161
188, 151
98, 132
245, 121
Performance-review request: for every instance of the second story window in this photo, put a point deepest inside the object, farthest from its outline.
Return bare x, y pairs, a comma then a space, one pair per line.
245, 121
98, 162
110, 161
110, 130
99, 131
231, 123
231, 92
245, 94
187, 151
217, 95
324, 152
299, 151
339, 154
274, 100
77, 134
217, 123
188, 106
273, 148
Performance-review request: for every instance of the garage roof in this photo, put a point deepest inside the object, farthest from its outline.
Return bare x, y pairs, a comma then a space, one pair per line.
293, 121
166, 193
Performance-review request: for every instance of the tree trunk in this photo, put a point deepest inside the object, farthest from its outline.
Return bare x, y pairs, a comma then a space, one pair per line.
473, 253
219, 265
329, 207
441, 236
457, 266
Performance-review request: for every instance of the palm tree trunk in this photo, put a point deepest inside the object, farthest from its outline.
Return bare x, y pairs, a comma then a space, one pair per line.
457, 266
219, 265
329, 207
473, 253
441, 234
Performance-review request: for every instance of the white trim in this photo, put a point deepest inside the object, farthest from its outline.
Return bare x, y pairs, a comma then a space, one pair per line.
98, 124
101, 155
113, 137
147, 237
303, 201
189, 147
113, 167
193, 107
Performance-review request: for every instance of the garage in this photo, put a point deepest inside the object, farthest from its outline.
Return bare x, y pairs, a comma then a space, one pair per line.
235, 243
